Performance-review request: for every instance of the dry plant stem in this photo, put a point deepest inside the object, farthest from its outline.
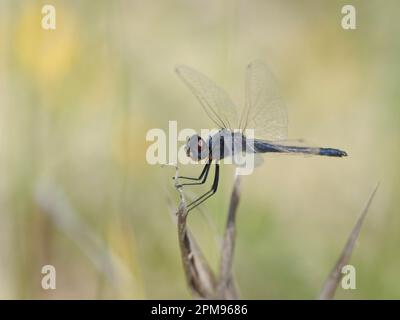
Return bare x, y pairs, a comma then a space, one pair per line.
226, 286
199, 276
331, 284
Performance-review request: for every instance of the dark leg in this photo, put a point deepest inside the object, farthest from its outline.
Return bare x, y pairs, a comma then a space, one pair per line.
203, 177
209, 193
201, 174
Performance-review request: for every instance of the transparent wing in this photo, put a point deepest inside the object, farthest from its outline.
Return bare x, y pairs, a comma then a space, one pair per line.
265, 110
214, 100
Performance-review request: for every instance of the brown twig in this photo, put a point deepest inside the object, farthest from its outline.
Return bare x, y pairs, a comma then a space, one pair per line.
226, 286
199, 276
331, 284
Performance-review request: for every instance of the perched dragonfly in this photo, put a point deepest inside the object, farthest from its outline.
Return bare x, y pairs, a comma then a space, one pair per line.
264, 112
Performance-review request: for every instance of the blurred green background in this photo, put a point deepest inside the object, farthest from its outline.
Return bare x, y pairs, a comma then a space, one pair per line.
76, 103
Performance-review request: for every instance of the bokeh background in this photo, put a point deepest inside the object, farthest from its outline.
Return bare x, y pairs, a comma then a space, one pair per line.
76, 103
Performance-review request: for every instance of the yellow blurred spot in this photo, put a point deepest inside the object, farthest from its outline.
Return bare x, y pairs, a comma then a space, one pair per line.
46, 54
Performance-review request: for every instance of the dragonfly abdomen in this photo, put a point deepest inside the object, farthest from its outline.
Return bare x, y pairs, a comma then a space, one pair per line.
264, 147
330, 152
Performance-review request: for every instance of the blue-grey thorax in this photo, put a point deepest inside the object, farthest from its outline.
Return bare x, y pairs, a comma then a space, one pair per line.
226, 143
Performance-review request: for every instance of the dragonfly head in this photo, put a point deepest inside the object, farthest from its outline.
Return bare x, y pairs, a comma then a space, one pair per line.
196, 148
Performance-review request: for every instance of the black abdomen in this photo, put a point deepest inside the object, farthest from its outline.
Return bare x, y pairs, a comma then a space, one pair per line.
264, 147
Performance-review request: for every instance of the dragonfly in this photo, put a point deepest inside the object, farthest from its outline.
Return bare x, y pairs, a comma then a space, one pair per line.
264, 112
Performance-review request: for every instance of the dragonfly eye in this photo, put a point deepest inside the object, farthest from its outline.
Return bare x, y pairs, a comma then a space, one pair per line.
200, 144
195, 148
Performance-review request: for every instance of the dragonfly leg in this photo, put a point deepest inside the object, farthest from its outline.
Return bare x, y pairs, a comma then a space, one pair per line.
202, 177
209, 193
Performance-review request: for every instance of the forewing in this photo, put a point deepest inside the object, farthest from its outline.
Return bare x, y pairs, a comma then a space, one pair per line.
214, 100
265, 110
